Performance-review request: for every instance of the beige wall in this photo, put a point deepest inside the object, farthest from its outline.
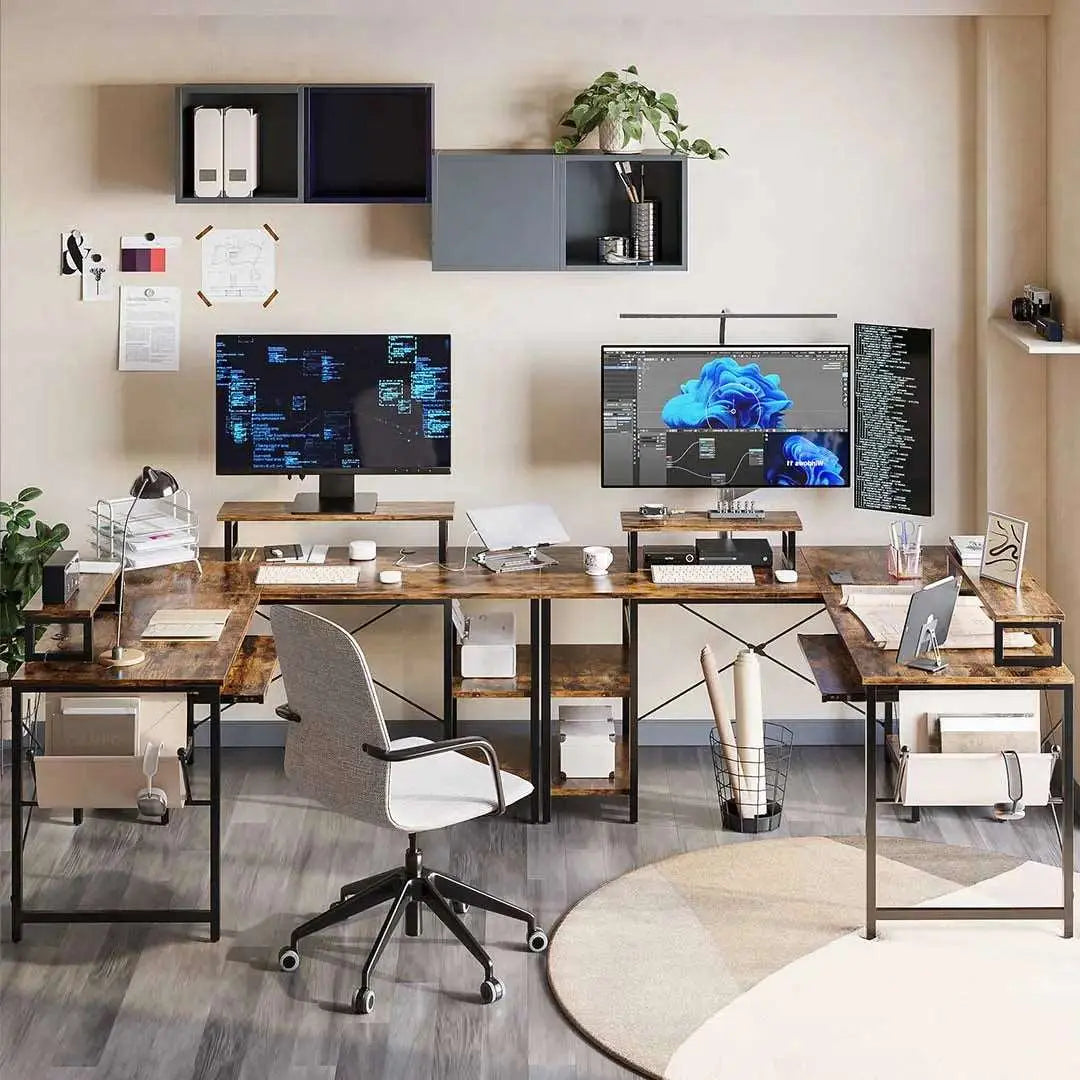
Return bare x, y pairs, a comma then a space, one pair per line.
1063, 491
1011, 251
851, 187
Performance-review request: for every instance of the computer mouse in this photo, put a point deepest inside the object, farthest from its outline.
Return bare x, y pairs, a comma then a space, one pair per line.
786, 577
390, 577
277, 553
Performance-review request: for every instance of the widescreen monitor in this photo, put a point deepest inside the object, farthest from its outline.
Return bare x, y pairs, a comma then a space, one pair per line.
739, 416
333, 403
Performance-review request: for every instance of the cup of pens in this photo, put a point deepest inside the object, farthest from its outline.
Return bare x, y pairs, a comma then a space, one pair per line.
905, 550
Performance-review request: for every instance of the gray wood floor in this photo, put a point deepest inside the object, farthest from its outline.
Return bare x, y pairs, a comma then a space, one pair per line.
157, 1002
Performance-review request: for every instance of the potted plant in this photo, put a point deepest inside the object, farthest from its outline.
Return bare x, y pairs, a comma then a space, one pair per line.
618, 103
25, 545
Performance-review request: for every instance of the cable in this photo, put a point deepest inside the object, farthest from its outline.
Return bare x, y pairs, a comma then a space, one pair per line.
404, 553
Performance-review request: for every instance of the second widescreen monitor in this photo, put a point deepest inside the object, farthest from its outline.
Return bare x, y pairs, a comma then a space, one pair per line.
333, 403
726, 416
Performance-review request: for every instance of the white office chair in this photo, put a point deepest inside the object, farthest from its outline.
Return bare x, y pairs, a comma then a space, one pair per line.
340, 754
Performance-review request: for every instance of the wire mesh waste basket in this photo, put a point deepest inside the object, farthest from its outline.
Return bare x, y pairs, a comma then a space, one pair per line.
750, 781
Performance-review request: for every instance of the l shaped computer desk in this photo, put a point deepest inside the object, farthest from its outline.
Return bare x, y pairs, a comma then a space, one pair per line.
846, 666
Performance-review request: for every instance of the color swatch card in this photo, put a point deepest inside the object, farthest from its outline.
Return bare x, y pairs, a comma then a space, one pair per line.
145, 254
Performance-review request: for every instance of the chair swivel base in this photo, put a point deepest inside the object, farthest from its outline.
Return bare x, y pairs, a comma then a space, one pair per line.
410, 889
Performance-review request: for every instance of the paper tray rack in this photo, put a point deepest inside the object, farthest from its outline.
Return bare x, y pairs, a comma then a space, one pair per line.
161, 531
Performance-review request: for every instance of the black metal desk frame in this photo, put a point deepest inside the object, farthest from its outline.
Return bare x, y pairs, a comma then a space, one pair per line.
197, 693
876, 913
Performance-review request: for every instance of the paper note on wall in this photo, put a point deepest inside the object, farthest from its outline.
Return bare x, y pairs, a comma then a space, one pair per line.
149, 328
97, 278
145, 254
238, 265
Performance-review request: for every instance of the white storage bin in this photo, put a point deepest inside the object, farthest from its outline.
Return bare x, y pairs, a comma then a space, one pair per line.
586, 741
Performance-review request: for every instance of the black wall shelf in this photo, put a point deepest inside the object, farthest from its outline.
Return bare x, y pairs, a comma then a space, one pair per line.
369, 143
326, 143
281, 137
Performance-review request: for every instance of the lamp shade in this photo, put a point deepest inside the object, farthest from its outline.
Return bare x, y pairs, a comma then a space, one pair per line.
154, 483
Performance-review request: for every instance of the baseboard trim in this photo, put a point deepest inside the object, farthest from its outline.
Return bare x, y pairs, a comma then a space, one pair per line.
808, 732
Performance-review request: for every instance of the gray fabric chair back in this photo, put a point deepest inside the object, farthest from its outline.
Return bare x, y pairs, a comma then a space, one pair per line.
328, 684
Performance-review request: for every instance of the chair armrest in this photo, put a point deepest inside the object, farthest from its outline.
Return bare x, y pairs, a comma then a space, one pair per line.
466, 742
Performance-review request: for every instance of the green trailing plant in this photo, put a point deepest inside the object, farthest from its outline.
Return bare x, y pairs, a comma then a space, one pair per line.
621, 97
25, 545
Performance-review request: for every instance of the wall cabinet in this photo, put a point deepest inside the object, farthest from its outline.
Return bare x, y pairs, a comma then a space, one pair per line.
337, 142
535, 210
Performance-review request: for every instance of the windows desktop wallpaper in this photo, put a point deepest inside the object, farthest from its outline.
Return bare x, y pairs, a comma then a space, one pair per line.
729, 396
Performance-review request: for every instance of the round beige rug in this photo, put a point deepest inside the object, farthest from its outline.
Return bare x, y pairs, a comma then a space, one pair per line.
747, 962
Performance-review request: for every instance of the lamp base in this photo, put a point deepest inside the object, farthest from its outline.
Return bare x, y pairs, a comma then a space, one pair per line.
127, 657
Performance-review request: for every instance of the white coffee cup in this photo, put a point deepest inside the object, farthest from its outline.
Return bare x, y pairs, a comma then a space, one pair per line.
597, 560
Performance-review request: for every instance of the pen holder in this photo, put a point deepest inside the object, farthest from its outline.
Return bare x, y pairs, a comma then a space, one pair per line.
643, 216
905, 562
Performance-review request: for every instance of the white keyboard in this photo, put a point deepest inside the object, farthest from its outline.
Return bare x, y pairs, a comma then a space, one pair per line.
306, 574
702, 574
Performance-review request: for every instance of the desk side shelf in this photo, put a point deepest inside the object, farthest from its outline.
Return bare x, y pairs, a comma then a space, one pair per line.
576, 671
94, 590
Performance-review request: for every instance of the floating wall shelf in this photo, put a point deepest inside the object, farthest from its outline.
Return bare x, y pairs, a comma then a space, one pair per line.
327, 143
1024, 335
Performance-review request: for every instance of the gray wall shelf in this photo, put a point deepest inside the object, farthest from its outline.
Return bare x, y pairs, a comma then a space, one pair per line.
535, 210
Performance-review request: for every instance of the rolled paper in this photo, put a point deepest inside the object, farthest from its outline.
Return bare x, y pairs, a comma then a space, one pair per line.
722, 720
751, 741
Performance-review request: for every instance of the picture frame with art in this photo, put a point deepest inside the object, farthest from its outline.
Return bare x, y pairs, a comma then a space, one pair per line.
1003, 549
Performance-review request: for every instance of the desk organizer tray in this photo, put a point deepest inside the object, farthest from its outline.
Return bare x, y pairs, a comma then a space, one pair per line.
161, 531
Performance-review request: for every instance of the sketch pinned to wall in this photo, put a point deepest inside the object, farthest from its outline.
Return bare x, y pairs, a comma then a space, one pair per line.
97, 277
1003, 549
238, 265
74, 248
145, 254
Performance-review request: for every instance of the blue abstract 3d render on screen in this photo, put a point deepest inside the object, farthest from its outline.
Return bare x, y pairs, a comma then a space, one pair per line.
728, 395
805, 460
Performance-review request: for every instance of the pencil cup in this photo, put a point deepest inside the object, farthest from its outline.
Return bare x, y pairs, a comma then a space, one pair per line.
905, 562
643, 217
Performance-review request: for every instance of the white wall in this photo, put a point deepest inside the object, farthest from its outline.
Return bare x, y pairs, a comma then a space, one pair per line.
851, 187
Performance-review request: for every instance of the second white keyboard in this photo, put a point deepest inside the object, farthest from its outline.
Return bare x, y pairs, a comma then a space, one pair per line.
702, 574
307, 574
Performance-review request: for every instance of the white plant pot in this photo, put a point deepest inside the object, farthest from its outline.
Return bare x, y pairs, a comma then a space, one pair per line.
612, 142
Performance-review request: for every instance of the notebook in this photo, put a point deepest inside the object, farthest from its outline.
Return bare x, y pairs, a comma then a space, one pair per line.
187, 624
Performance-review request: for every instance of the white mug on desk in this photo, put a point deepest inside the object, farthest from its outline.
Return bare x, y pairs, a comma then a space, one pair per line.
597, 560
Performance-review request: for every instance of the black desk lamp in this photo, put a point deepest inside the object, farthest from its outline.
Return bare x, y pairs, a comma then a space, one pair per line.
149, 484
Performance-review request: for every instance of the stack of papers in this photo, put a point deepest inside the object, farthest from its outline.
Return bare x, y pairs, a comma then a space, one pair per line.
159, 535
187, 624
968, 549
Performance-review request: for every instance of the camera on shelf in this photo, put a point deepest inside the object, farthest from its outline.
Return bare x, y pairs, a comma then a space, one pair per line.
1036, 307
1034, 304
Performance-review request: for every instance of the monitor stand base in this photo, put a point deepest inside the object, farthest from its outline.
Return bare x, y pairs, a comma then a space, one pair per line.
335, 496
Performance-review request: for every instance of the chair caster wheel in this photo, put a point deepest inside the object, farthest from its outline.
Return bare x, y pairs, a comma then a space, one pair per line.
538, 940
459, 907
288, 958
491, 990
363, 1001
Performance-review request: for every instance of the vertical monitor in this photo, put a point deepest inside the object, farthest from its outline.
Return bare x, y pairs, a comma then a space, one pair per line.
333, 403
744, 416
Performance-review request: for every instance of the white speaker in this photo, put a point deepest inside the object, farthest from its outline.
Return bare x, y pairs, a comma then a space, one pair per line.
241, 166
208, 147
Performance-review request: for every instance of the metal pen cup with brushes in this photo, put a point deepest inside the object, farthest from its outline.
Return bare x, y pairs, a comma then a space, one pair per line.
643, 214
643, 220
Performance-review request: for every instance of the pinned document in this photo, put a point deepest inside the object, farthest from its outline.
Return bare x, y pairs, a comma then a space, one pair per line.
149, 328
